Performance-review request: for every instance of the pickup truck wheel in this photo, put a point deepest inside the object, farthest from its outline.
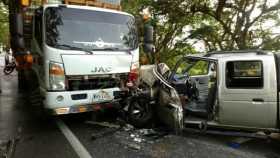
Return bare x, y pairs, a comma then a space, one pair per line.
140, 112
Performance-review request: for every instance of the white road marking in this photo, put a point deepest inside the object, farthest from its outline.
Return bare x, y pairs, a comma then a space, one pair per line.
73, 140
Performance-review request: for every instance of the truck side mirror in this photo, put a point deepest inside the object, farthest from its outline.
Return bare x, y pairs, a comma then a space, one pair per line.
148, 39
148, 48
19, 39
148, 34
19, 42
19, 25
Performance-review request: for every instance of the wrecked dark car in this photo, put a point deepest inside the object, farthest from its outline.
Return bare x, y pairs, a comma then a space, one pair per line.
156, 100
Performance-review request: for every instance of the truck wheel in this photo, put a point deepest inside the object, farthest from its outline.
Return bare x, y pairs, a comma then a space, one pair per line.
140, 113
34, 95
35, 98
22, 85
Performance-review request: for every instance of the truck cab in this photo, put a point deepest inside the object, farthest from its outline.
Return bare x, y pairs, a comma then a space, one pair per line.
84, 57
228, 90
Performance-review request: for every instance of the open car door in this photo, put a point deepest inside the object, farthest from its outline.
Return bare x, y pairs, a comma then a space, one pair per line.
195, 80
169, 108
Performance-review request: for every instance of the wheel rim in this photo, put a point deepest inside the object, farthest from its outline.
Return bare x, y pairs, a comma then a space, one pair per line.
138, 111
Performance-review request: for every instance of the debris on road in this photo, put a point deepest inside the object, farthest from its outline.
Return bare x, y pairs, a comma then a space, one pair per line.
3, 149
126, 134
7, 148
109, 128
257, 135
236, 142
138, 138
128, 127
103, 124
104, 133
275, 136
133, 146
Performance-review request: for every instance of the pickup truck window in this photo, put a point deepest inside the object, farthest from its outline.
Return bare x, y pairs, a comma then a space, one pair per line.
193, 67
199, 68
244, 74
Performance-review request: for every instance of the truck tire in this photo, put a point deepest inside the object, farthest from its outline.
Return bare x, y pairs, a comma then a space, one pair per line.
140, 113
34, 96
22, 84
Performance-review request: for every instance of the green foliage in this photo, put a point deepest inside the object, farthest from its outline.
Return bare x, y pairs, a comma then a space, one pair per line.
170, 42
200, 68
193, 68
4, 25
218, 25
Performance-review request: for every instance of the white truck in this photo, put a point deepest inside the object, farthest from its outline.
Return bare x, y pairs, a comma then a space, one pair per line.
83, 57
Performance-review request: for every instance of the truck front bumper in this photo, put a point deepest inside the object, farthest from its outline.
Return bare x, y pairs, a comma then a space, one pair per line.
66, 102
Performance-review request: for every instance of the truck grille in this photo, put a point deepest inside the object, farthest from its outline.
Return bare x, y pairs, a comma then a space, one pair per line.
92, 84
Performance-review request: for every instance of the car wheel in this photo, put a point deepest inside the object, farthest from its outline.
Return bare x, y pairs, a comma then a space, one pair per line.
140, 113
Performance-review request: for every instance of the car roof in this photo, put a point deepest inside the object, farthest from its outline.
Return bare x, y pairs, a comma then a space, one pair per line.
219, 55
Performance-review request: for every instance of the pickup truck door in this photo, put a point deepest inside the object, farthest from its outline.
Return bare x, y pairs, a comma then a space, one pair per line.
202, 77
248, 93
169, 109
200, 70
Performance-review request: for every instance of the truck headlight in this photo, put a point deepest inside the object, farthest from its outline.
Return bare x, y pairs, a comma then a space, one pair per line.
57, 76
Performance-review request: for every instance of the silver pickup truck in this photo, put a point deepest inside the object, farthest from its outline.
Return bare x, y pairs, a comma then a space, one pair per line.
233, 90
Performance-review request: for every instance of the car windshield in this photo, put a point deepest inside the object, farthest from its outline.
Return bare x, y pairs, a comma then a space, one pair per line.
88, 29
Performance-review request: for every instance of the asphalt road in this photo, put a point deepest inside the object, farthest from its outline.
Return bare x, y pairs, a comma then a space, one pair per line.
71, 137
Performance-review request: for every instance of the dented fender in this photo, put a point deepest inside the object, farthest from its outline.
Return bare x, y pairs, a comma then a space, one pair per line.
168, 107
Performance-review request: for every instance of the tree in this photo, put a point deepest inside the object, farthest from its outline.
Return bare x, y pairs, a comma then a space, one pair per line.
4, 25
169, 42
218, 24
237, 24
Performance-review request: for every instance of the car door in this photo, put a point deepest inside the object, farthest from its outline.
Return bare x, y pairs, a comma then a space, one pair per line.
201, 70
169, 108
200, 73
248, 92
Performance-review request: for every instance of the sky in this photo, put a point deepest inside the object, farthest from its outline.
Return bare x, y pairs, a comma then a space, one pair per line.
269, 23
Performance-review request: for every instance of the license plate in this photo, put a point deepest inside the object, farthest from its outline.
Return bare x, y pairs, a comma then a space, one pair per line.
102, 96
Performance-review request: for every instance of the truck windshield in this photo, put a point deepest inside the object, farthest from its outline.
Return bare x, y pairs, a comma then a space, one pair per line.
90, 30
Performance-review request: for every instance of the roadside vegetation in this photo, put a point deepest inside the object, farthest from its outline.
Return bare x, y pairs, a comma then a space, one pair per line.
184, 26
4, 25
